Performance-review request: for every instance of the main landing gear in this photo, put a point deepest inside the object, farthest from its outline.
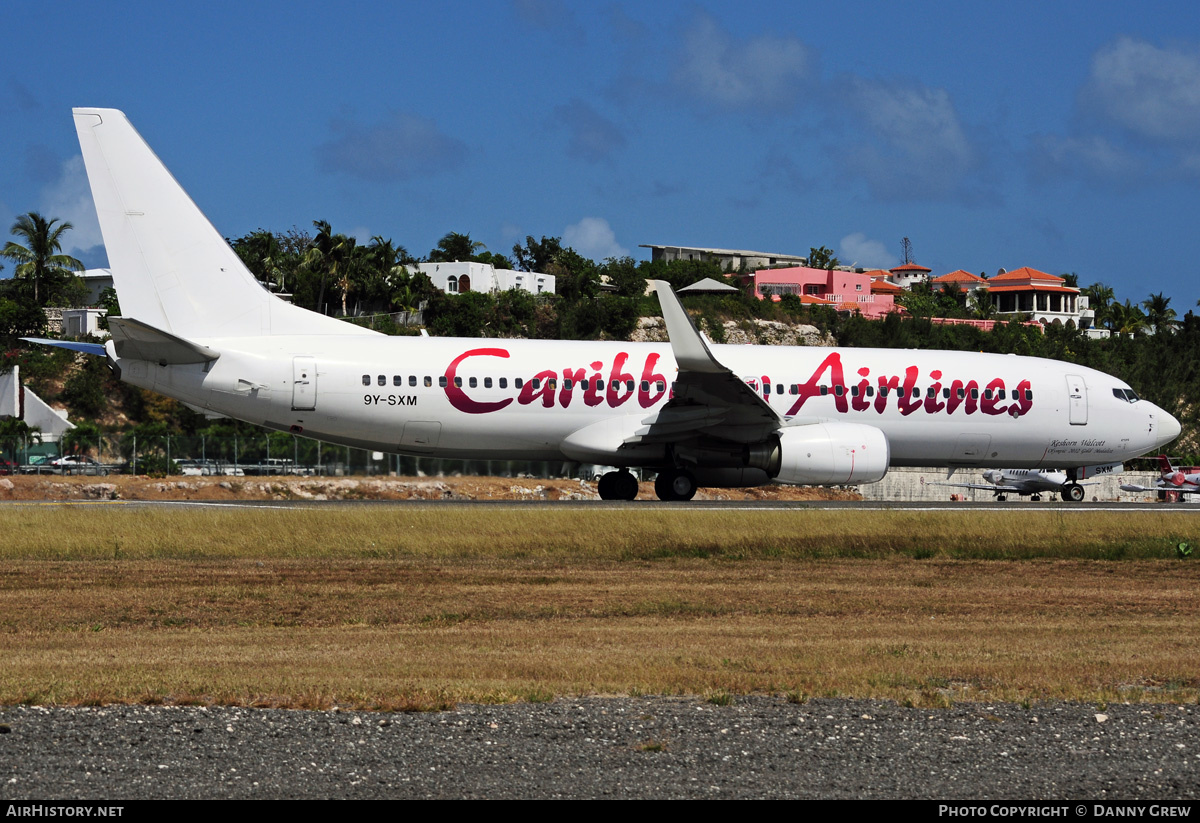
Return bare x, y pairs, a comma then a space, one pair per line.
1072, 493
675, 484
618, 485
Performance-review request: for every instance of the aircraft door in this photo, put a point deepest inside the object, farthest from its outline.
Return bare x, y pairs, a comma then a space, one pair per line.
304, 383
1077, 400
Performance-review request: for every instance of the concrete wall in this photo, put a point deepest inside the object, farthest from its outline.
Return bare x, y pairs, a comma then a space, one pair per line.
904, 485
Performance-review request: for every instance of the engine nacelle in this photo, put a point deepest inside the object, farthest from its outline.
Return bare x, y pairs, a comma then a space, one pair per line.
825, 453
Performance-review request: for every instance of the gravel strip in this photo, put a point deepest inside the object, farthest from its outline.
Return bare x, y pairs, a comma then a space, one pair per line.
652, 747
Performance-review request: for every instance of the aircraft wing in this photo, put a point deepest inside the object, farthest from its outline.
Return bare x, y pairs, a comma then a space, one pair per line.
1133, 487
989, 487
709, 399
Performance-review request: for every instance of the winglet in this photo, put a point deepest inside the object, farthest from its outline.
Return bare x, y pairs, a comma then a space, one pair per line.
690, 351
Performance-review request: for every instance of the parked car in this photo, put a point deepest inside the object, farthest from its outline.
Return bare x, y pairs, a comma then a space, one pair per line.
78, 464
7, 467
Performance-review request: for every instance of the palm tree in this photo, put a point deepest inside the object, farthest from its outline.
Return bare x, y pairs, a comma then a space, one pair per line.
1127, 319
331, 255
1159, 313
40, 259
1100, 297
455, 247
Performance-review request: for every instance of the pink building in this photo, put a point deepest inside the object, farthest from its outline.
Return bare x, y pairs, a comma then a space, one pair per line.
849, 291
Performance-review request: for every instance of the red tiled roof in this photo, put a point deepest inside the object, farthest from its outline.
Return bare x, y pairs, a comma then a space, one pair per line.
1025, 273
1032, 287
885, 287
910, 267
959, 276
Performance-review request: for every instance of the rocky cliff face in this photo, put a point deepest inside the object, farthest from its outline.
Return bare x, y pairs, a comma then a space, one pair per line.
753, 332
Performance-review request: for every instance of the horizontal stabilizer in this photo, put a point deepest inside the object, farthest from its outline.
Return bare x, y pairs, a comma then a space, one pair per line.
87, 348
136, 340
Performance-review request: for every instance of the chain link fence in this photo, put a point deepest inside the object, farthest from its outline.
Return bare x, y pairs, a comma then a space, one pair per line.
255, 454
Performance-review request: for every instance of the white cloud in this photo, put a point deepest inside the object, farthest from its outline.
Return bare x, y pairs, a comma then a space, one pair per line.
1092, 159
593, 238
399, 147
858, 250
916, 147
69, 198
593, 137
768, 70
1151, 92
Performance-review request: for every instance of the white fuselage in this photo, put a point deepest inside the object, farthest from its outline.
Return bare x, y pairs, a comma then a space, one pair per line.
519, 399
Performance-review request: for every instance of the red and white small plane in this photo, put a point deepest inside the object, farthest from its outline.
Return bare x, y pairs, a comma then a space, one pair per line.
1170, 480
198, 327
1034, 483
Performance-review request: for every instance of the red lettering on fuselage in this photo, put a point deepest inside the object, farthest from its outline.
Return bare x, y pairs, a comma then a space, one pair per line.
827, 379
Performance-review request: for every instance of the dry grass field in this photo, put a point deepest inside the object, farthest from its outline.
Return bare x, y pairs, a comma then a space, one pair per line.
417, 607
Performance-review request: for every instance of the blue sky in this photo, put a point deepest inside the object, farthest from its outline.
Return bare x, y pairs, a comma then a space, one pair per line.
1060, 136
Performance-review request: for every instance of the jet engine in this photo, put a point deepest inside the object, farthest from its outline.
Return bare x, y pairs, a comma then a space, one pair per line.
822, 453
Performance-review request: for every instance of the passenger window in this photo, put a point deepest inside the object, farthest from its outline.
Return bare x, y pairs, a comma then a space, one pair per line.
794, 388
945, 394
397, 380
1028, 394
599, 385
839, 390
987, 394
974, 394
383, 379
645, 385
629, 385
487, 382
442, 381
504, 382
916, 392
518, 382
962, 393
883, 391
660, 386
931, 392
428, 381
412, 380
854, 391
1001, 394
824, 390
473, 382
870, 391
537, 382
458, 382
366, 379
552, 383
779, 388
583, 384
567, 384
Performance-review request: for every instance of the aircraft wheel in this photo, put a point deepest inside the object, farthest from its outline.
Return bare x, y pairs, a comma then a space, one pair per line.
675, 484
1036, 498
625, 486
1001, 498
605, 486
1073, 493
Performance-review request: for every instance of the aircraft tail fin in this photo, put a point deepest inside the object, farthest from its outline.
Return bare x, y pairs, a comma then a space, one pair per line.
1164, 464
172, 269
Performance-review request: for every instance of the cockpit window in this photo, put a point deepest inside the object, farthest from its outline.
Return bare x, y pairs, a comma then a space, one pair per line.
1128, 395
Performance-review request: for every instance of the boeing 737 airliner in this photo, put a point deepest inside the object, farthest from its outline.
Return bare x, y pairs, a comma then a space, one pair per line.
198, 327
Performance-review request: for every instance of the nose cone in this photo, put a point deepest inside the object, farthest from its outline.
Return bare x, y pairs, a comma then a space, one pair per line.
1168, 427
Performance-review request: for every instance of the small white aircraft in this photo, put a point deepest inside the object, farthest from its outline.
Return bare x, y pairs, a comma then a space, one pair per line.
1170, 480
198, 327
1033, 483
